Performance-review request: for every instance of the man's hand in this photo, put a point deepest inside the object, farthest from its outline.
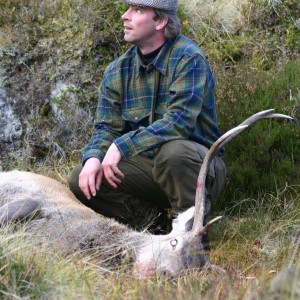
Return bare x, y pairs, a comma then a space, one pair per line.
90, 177
110, 166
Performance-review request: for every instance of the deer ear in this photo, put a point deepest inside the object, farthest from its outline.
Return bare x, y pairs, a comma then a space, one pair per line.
19, 210
184, 220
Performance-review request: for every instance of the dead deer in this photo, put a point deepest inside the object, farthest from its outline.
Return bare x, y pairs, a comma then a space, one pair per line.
56, 217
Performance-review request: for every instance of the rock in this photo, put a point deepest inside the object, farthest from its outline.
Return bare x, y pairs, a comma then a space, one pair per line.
10, 125
227, 13
60, 92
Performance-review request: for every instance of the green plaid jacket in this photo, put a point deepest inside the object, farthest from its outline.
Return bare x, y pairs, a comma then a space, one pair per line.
141, 107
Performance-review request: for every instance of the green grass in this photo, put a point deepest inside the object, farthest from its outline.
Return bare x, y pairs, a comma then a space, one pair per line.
266, 156
261, 30
256, 66
259, 242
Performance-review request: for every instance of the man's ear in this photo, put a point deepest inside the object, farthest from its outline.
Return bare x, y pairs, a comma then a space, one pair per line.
162, 23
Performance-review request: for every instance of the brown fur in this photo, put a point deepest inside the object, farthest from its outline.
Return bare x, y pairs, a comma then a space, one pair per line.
61, 221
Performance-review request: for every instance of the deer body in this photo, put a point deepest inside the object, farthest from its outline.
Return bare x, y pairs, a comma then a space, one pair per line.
57, 218
61, 221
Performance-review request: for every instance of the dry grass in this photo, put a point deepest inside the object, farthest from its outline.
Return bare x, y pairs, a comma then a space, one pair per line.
229, 15
259, 242
258, 236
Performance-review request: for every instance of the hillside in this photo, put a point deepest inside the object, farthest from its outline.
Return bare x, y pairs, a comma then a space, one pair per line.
52, 58
53, 54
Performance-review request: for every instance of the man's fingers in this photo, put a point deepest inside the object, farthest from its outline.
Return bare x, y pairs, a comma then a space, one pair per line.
109, 164
112, 179
84, 186
92, 185
111, 174
117, 171
90, 177
99, 180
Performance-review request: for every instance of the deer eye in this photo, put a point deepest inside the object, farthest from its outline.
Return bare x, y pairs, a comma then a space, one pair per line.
174, 243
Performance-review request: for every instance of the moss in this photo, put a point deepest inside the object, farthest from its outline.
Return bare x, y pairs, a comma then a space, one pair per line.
293, 36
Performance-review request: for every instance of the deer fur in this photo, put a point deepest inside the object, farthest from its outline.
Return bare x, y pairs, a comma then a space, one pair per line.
55, 217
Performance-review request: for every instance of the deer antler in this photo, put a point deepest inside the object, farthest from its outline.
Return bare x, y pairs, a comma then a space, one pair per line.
224, 139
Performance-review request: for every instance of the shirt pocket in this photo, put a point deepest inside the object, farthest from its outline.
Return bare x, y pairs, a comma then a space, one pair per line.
136, 117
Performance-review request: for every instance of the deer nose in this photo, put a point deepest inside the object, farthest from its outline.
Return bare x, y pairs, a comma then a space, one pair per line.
166, 273
142, 270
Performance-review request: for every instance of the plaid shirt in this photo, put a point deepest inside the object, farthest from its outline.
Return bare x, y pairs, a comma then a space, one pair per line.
141, 107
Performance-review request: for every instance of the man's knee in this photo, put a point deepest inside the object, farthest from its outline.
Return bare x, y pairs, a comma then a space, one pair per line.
73, 180
217, 185
177, 167
180, 151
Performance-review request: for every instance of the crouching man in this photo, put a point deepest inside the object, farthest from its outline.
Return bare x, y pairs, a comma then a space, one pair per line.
155, 121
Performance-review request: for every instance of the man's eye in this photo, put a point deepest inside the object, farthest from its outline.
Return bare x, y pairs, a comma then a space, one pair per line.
138, 11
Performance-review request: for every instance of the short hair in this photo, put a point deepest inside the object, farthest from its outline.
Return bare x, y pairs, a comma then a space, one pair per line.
173, 28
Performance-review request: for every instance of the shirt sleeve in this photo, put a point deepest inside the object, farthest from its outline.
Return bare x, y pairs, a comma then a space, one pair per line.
109, 124
186, 94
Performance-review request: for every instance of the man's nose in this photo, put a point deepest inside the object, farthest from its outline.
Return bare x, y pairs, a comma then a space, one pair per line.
125, 16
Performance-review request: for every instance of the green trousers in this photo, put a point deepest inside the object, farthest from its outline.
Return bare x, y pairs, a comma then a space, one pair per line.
153, 185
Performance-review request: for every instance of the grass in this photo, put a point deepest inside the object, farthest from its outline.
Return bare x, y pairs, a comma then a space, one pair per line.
29, 270
256, 66
258, 242
263, 31
266, 156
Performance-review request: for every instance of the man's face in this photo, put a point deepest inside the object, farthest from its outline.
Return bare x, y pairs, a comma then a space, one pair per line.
139, 26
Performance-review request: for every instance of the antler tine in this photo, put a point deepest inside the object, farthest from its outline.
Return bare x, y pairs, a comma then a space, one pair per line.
225, 138
265, 114
200, 191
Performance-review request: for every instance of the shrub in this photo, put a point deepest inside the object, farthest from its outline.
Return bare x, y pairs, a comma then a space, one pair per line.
266, 156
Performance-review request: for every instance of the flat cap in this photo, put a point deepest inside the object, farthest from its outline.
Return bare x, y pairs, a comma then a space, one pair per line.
167, 6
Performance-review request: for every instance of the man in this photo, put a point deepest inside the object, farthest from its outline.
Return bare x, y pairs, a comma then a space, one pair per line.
155, 121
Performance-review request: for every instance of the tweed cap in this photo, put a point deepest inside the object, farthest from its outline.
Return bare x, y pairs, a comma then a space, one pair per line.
167, 6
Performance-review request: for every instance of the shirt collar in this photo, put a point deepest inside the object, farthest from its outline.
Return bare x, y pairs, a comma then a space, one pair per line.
160, 62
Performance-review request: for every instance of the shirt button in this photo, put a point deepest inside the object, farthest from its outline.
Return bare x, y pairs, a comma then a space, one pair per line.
136, 118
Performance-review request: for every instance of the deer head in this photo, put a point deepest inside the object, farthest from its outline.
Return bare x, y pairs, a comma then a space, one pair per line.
182, 248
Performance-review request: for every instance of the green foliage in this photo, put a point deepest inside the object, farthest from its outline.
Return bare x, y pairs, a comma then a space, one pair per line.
76, 28
258, 243
20, 275
29, 270
256, 65
269, 31
274, 26
267, 155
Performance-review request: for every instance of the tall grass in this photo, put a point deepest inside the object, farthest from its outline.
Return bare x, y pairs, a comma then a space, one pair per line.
259, 242
252, 46
266, 156
263, 31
